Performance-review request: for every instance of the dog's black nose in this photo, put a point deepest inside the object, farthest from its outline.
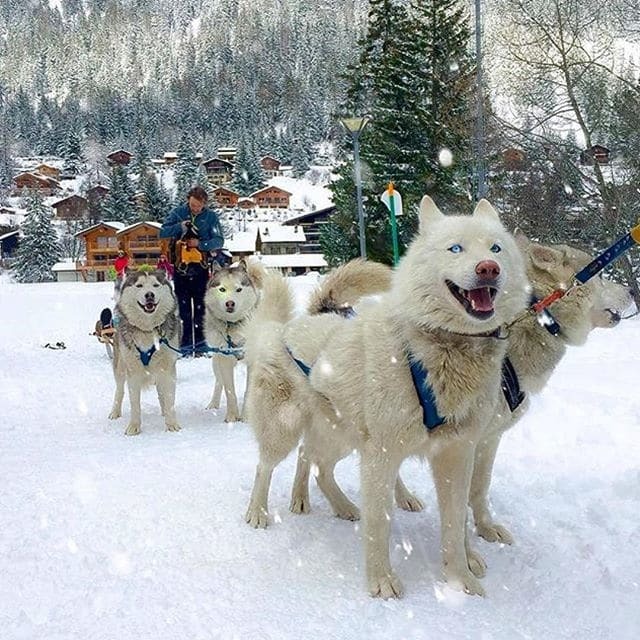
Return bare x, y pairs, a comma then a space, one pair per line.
230, 304
149, 295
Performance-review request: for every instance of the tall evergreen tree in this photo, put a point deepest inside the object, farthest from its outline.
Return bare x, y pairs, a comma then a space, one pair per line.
39, 247
186, 167
157, 201
413, 77
118, 205
247, 172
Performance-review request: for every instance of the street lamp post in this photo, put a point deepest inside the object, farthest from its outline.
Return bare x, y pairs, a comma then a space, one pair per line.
355, 126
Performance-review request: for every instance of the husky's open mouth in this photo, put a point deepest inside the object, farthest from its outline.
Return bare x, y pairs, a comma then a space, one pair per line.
477, 302
148, 307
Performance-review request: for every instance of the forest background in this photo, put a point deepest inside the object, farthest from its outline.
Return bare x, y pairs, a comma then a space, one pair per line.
81, 77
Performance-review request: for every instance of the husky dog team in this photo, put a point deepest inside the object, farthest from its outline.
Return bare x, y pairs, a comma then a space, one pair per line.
434, 359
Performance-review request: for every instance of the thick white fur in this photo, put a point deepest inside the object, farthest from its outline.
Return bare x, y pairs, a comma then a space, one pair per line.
282, 403
365, 395
143, 330
535, 353
231, 296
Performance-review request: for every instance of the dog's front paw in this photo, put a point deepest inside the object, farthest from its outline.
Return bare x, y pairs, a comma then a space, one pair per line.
494, 533
300, 504
213, 405
409, 502
385, 586
347, 511
232, 416
132, 430
467, 582
173, 427
257, 517
115, 414
476, 563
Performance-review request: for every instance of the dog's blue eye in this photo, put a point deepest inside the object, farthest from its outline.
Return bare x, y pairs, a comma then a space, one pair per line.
496, 248
222, 290
456, 248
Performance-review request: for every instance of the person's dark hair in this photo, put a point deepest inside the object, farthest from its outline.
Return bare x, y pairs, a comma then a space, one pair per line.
199, 193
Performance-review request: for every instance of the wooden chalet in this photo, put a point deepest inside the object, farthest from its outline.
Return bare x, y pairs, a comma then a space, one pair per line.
47, 170
45, 185
74, 207
120, 157
276, 239
595, 154
227, 153
311, 224
218, 171
271, 197
225, 197
142, 242
270, 166
101, 249
246, 203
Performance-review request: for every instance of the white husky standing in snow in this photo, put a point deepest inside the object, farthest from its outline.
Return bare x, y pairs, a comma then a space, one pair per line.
231, 296
433, 333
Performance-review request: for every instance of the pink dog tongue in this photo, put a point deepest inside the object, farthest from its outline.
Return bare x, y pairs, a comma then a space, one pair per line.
480, 299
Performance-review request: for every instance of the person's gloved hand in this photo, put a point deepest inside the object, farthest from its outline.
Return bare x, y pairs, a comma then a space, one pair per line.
185, 224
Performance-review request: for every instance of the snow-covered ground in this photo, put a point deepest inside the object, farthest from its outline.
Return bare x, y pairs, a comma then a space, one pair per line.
107, 537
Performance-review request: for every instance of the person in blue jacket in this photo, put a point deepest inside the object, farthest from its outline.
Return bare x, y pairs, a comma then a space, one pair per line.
199, 228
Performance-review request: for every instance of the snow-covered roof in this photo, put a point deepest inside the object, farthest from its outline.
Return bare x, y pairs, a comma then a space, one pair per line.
4, 236
241, 242
267, 188
305, 196
292, 260
157, 225
113, 224
66, 265
275, 232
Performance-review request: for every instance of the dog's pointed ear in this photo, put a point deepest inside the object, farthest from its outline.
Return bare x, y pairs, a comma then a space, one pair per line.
545, 258
521, 239
429, 212
485, 209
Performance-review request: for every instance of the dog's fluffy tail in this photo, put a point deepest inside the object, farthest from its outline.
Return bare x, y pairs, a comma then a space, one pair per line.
276, 299
343, 287
263, 332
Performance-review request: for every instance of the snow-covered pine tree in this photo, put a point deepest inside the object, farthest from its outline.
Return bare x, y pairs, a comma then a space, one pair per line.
413, 77
157, 201
118, 206
247, 172
74, 160
39, 246
186, 167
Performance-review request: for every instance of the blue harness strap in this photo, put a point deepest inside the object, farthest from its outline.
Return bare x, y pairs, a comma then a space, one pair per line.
145, 356
306, 369
430, 416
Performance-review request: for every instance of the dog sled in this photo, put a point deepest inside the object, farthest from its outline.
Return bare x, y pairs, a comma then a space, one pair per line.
105, 331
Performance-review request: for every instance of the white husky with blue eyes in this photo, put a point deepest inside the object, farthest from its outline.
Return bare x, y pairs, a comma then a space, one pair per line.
146, 345
460, 280
231, 297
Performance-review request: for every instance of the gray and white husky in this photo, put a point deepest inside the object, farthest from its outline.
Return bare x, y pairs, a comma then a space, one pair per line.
146, 345
231, 296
